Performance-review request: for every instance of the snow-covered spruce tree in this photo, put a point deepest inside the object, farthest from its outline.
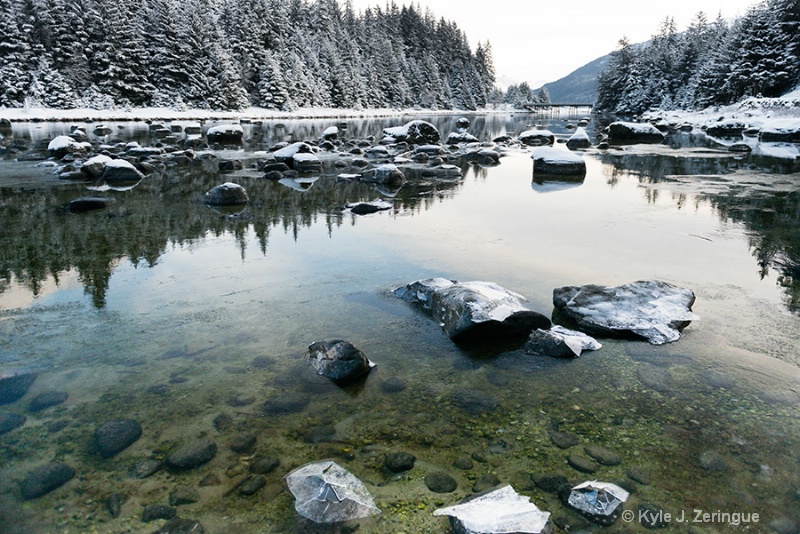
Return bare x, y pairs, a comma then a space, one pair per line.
15, 56
612, 81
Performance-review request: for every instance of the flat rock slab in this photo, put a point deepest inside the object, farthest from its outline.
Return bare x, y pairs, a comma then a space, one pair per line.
654, 310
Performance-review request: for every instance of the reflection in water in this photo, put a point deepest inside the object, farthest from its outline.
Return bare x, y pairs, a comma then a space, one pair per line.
198, 323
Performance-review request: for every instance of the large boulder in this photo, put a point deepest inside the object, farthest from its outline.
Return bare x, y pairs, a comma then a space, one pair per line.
287, 153
338, 360
62, 145
44, 479
475, 310
726, 128
418, 132
654, 310
781, 130
554, 161
635, 132
95, 166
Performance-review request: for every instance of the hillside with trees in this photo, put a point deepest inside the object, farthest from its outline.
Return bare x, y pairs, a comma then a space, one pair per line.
711, 63
230, 54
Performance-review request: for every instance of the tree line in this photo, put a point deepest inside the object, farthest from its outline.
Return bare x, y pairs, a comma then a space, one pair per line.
230, 54
711, 63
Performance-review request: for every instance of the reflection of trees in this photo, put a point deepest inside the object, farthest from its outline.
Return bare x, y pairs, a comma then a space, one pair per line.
44, 239
771, 215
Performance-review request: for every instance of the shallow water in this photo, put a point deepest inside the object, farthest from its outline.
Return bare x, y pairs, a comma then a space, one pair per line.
162, 310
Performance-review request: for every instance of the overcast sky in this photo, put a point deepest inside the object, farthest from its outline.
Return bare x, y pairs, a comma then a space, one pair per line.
538, 42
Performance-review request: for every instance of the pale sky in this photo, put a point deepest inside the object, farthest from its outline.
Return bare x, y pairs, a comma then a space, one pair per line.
540, 42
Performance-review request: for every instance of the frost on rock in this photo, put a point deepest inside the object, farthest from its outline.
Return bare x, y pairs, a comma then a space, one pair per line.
537, 137
599, 501
560, 342
472, 310
418, 132
497, 512
653, 310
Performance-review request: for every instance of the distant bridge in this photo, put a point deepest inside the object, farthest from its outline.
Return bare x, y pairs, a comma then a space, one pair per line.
550, 108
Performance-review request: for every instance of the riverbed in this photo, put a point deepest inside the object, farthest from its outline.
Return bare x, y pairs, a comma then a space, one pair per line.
195, 323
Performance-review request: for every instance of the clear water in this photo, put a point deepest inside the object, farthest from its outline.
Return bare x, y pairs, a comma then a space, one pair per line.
162, 310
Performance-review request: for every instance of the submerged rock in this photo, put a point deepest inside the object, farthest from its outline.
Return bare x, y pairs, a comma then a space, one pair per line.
114, 437
654, 310
225, 134
84, 204
338, 360
365, 208
45, 479
10, 421
193, 454
14, 384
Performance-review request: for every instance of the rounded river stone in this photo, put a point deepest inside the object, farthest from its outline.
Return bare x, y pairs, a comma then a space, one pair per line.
397, 462
113, 437
193, 454
579, 463
45, 479
264, 465
10, 421
603, 456
47, 399
440, 482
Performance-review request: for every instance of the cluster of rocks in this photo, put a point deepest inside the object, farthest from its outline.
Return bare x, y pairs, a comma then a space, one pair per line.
652, 310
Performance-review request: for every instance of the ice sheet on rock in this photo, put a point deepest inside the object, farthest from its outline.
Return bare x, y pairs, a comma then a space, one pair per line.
654, 310
597, 498
498, 512
494, 302
325, 492
420, 292
576, 341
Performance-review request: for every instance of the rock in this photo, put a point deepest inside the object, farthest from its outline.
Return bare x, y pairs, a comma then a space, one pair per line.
551, 483
95, 166
463, 463
602, 455
114, 437
45, 479
152, 512
338, 360
418, 132
287, 153
536, 137
712, 461
306, 163
421, 291
780, 130
120, 170
475, 310
740, 147
62, 145
243, 443
634, 131
555, 161
579, 140
193, 454
442, 172
225, 134
440, 482
474, 401
398, 462
229, 165
47, 399
183, 495
14, 384
144, 468
654, 377
286, 404
462, 123
365, 208
564, 440
485, 483
330, 133
223, 422
114, 504
386, 174
653, 310
84, 204
639, 475
559, 342
227, 194
456, 138
264, 465
726, 128
584, 465
10, 421
252, 485
393, 384
178, 525
320, 434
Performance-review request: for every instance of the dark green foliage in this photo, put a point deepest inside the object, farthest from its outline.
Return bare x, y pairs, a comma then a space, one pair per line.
231, 54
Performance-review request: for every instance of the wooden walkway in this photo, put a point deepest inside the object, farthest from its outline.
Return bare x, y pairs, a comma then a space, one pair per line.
572, 110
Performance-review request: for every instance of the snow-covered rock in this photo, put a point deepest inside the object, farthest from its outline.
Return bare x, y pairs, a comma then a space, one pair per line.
330, 133
225, 134
227, 194
552, 160
421, 291
787, 129
559, 342
654, 310
373, 206
120, 170
286, 154
537, 137
386, 174
474, 310
634, 131
726, 128
456, 138
94, 166
306, 162
62, 145
502, 510
579, 139
418, 132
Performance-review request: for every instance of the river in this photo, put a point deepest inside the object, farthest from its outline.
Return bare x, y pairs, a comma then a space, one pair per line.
193, 323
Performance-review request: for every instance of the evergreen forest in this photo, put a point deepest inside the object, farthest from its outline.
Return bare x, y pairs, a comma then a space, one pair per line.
711, 63
230, 54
